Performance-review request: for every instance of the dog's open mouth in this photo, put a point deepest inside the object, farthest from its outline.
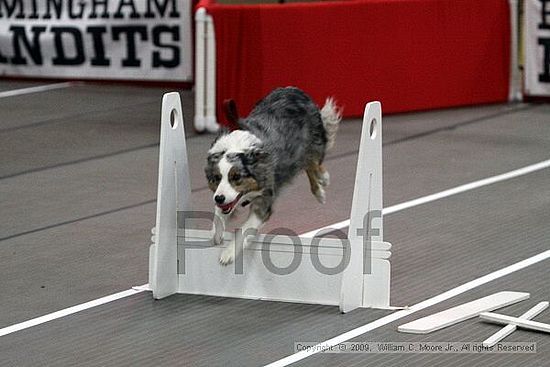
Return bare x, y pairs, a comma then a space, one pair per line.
227, 208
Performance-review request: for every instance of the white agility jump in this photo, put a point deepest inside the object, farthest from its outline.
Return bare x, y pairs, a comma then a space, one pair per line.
350, 272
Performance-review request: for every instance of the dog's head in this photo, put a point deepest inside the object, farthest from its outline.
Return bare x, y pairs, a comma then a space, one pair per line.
236, 169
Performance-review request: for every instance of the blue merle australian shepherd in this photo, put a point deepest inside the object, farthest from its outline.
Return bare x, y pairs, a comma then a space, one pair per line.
285, 133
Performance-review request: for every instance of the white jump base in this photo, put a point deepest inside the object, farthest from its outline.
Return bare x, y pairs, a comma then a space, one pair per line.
177, 264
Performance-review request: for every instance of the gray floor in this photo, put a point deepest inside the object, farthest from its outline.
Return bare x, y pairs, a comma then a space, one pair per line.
77, 198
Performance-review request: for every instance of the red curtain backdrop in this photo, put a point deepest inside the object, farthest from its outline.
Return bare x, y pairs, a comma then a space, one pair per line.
409, 54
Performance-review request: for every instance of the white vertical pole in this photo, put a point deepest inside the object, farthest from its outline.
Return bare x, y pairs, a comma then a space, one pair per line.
211, 123
174, 194
515, 76
200, 68
366, 221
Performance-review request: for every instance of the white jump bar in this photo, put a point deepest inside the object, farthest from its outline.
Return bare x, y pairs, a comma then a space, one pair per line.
510, 328
462, 312
526, 324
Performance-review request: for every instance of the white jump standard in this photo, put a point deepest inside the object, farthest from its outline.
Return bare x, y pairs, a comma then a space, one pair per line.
350, 272
205, 73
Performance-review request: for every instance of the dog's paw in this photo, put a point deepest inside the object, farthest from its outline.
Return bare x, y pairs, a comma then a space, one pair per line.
324, 179
321, 196
227, 256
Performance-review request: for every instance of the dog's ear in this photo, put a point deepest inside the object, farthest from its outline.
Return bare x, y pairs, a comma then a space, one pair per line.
255, 155
214, 157
231, 113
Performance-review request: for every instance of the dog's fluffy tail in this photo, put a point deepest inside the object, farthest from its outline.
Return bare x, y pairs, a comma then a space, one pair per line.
331, 116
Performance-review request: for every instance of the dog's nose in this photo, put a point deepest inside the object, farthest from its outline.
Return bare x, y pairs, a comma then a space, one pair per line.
219, 199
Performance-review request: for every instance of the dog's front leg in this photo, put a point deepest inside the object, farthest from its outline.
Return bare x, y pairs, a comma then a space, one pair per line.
218, 226
250, 227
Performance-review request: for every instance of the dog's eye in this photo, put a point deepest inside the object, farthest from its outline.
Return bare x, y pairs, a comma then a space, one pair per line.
215, 179
236, 177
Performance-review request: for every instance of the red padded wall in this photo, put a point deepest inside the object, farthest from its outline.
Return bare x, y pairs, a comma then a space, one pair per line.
409, 54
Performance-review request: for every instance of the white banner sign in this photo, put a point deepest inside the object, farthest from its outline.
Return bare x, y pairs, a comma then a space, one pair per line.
537, 47
102, 39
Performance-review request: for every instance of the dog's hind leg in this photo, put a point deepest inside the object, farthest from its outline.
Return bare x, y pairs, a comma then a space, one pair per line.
318, 180
323, 176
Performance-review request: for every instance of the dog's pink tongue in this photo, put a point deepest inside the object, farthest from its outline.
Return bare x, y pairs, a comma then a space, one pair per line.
229, 206
226, 206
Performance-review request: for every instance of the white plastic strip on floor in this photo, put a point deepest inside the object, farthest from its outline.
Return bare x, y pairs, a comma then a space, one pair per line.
373, 325
519, 322
68, 311
443, 194
404, 313
509, 329
37, 89
462, 312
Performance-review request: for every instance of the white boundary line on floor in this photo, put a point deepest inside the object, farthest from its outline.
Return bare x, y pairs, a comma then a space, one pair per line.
293, 358
446, 193
68, 311
37, 89
360, 330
